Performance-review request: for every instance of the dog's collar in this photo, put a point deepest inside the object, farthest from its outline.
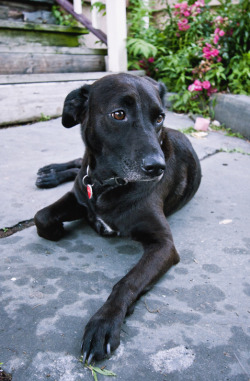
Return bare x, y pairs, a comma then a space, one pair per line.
112, 181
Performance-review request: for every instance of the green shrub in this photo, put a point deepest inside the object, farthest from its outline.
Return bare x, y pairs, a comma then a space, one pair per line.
198, 51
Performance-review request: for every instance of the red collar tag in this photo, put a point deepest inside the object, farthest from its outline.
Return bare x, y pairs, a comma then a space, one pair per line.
89, 191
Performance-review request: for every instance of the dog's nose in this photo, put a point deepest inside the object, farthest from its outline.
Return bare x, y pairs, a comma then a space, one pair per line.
153, 165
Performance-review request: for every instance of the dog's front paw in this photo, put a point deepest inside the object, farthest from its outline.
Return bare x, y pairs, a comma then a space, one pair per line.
47, 227
101, 336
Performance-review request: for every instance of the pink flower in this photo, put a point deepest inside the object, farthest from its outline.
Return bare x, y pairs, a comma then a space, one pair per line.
206, 85
184, 5
219, 19
216, 39
217, 30
191, 87
197, 82
177, 6
221, 33
206, 52
182, 24
198, 85
151, 59
200, 3
215, 52
219, 59
186, 13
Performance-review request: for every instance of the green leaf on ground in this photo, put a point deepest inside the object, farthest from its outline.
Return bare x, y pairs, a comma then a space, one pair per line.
105, 372
94, 370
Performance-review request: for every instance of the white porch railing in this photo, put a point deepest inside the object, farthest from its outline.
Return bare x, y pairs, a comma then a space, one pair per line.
116, 32
77, 6
117, 35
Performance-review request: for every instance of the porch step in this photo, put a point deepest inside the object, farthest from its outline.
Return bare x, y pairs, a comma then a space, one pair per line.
30, 97
15, 33
38, 60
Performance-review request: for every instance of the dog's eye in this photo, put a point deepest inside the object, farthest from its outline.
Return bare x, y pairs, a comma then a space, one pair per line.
118, 115
160, 119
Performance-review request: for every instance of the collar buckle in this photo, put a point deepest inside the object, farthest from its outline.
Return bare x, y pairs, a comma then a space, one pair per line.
111, 181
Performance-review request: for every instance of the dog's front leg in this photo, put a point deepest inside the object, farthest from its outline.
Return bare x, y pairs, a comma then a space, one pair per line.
102, 333
49, 220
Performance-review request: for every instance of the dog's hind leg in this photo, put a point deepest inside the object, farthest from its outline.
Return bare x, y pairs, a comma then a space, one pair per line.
49, 221
54, 174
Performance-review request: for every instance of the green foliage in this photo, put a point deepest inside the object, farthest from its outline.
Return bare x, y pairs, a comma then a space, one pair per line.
44, 118
62, 17
137, 12
199, 50
239, 77
139, 47
188, 130
100, 6
227, 131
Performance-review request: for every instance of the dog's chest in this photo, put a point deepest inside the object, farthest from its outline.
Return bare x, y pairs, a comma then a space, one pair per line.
104, 228
99, 223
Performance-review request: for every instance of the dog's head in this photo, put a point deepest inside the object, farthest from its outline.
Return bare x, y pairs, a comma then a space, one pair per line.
122, 122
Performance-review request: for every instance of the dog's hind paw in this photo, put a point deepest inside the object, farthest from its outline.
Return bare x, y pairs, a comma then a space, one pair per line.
51, 167
47, 179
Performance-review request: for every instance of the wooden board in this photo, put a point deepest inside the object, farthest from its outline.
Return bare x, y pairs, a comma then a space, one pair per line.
26, 26
49, 77
51, 50
19, 63
21, 33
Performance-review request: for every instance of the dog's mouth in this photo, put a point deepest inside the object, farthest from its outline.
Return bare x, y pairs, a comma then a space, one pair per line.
130, 172
137, 178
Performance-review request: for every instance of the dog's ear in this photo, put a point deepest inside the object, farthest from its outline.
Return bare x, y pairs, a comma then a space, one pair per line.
161, 89
75, 106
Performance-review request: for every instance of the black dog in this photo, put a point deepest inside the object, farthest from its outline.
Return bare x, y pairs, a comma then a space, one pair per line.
134, 173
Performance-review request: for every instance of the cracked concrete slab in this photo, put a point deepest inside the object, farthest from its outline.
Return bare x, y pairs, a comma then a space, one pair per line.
193, 325
23, 150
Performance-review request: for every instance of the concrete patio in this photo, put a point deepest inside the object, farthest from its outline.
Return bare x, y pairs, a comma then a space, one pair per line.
193, 325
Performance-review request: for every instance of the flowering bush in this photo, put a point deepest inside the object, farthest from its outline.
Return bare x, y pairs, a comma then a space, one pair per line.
199, 50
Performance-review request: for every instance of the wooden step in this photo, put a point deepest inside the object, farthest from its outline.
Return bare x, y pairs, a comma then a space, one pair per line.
16, 33
34, 63
34, 60
49, 77
31, 97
